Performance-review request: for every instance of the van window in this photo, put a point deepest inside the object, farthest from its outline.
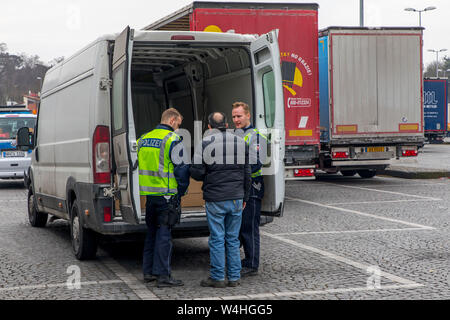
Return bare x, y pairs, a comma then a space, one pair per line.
269, 97
118, 98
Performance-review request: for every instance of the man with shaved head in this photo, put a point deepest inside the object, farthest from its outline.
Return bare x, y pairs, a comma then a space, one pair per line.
222, 163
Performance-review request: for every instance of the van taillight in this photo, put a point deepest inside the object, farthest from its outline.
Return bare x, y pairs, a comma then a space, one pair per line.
100, 155
182, 37
107, 216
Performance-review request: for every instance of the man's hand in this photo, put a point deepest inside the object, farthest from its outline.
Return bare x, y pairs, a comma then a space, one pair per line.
243, 205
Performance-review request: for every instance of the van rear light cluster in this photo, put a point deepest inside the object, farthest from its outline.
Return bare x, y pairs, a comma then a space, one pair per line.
107, 214
100, 155
304, 172
409, 153
340, 155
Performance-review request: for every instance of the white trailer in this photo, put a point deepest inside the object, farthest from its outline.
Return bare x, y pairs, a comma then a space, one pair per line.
371, 101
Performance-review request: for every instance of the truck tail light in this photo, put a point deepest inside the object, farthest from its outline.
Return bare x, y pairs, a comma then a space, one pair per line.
409, 153
340, 155
303, 172
107, 216
100, 155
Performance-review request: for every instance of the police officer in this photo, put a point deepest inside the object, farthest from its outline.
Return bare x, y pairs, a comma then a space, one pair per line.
163, 181
251, 216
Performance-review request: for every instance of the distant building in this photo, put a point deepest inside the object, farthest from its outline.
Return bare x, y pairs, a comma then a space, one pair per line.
31, 100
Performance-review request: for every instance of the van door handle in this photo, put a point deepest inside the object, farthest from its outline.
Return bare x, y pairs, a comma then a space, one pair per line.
36, 154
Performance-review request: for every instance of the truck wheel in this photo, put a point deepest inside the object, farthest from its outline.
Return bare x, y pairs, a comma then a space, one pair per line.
84, 241
367, 173
37, 219
348, 173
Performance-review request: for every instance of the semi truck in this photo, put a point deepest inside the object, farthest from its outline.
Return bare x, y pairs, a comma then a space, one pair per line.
297, 25
371, 108
435, 109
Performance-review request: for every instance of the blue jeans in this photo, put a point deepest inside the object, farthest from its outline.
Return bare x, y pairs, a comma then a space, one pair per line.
224, 221
158, 242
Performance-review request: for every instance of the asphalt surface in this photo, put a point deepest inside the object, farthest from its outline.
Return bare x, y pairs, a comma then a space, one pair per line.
339, 238
432, 162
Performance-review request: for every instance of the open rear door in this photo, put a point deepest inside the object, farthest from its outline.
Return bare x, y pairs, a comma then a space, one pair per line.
123, 132
269, 118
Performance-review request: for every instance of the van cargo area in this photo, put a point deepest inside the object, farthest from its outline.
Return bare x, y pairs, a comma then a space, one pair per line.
196, 80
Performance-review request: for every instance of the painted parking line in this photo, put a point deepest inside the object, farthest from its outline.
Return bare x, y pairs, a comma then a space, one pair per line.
383, 191
312, 292
336, 257
346, 231
58, 285
136, 285
415, 225
381, 201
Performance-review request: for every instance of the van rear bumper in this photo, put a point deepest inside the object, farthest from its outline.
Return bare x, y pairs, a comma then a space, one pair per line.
14, 167
188, 227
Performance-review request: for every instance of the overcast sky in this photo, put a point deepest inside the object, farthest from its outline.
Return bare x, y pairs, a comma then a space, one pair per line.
53, 28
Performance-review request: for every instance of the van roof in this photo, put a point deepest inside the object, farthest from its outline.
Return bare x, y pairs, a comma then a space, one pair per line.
166, 36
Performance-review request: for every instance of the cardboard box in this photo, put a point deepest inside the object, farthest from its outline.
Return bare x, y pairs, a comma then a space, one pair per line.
193, 198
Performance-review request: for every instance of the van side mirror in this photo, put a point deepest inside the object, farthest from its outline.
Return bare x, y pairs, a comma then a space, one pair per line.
25, 139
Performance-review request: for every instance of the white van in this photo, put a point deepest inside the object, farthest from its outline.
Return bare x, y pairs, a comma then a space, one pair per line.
97, 103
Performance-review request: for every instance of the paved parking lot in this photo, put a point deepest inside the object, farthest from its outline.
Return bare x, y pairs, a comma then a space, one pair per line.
340, 238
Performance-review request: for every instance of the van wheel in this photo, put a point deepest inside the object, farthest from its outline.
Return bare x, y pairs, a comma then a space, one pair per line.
348, 173
37, 219
367, 173
84, 241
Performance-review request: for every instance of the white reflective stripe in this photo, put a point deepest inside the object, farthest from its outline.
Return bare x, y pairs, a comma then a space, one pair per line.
157, 189
162, 151
156, 174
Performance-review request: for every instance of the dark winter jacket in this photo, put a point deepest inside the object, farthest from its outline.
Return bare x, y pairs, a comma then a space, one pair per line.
222, 164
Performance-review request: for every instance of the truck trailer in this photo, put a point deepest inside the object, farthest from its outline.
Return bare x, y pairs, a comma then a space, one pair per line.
297, 24
371, 101
435, 109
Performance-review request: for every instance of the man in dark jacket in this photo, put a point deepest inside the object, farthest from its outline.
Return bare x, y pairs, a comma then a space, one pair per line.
222, 164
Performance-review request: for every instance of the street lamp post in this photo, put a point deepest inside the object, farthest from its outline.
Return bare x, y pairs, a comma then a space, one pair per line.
40, 79
437, 59
420, 12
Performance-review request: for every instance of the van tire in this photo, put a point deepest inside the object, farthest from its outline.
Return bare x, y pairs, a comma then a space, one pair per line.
366, 174
348, 173
37, 219
84, 241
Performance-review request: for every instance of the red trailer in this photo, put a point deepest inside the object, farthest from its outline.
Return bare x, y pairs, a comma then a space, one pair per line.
298, 36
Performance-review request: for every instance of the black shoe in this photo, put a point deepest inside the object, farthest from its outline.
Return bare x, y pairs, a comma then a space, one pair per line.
234, 283
213, 283
247, 272
167, 281
150, 277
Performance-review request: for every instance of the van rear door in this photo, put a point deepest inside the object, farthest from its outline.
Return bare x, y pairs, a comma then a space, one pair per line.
123, 132
269, 118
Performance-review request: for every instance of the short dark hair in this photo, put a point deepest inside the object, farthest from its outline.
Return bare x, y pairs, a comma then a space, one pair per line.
217, 120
